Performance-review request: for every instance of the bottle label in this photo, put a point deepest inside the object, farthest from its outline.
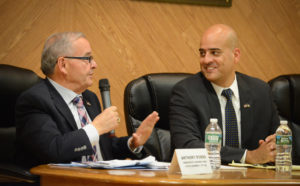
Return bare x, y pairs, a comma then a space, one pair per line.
213, 138
283, 140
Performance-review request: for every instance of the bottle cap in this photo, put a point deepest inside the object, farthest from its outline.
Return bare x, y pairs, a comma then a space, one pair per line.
213, 120
285, 122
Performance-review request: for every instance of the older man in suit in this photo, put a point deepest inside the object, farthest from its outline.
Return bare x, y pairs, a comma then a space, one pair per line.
198, 98
59, 120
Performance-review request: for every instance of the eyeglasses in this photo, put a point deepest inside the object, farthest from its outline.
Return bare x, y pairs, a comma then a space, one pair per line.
89, 58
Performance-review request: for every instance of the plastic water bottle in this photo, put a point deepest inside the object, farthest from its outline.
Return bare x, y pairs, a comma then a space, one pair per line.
213, 140
283, 159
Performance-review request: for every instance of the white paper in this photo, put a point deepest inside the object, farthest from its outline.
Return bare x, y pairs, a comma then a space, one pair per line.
146, 163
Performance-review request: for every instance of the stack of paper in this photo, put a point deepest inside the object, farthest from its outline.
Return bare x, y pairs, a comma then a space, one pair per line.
146, 163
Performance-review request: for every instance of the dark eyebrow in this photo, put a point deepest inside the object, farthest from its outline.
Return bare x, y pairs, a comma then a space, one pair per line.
211, 49
214, 49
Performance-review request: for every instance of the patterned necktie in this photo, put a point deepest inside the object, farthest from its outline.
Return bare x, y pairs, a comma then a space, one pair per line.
230, 121
84, 120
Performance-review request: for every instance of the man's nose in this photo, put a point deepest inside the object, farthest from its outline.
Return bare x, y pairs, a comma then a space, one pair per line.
93, 64
206, 59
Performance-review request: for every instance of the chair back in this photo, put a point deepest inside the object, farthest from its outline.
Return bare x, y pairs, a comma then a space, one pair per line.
13, 81
144, 95
286, 94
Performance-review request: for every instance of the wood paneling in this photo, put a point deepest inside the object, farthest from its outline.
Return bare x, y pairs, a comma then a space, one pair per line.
132, 38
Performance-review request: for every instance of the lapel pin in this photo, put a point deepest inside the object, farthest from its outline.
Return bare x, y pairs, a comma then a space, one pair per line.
88, 103
246, 105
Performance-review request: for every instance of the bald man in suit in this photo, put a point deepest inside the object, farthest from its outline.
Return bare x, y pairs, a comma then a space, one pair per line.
198, 98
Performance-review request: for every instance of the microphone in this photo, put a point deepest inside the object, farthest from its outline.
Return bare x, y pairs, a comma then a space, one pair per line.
105, 95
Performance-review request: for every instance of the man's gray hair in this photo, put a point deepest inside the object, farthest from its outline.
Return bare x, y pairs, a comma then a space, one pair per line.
59, 44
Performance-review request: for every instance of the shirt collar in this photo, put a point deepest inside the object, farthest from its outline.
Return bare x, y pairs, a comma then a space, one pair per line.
233, 87
67, 94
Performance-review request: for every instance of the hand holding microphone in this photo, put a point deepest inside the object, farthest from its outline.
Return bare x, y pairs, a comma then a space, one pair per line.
107, 121
111, 118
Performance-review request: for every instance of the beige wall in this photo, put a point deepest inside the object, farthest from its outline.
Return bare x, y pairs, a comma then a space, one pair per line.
132, 38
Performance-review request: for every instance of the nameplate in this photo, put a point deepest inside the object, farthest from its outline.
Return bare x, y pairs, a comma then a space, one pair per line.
190, 161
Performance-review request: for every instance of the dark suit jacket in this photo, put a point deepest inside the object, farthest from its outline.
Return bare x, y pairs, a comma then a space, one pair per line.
47, 132
194, 102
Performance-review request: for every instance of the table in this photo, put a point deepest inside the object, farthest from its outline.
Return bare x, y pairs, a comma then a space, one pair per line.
75, 176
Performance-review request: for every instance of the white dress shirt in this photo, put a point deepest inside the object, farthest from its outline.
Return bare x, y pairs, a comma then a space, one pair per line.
236, 106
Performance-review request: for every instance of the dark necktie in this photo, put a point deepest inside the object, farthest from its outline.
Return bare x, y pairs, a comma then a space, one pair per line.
230, 121
84, 120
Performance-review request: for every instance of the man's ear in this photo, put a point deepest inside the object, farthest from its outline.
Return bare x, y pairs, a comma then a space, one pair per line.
237, 55
61, 64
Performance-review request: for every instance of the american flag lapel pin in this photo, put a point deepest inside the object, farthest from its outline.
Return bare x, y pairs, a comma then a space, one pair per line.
247, 105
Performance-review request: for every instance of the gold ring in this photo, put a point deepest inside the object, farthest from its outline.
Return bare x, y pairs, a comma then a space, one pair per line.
118, 120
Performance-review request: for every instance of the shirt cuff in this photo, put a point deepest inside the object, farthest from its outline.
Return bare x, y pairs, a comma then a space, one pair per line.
92, 133
244, 157
136, 150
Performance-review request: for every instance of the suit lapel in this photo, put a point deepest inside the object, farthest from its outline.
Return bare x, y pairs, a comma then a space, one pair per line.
61, 106
215, 112
246, 107
212, 99
89, 106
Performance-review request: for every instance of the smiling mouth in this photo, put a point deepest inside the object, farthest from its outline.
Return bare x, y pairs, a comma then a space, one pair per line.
210, 68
